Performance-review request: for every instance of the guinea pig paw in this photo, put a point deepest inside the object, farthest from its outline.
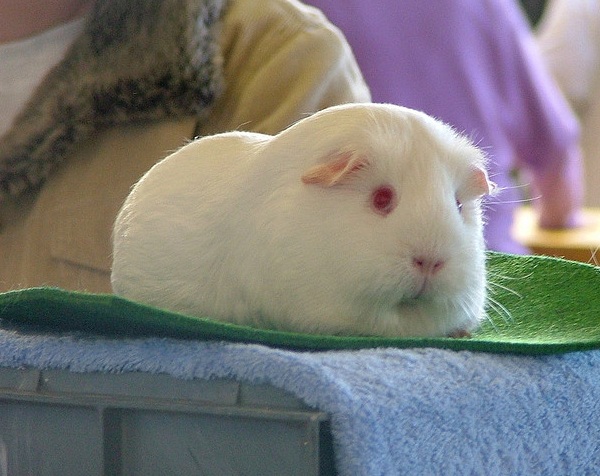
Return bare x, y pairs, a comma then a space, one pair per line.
459, 334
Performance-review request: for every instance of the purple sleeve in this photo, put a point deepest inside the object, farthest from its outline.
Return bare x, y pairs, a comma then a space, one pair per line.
471, 63
541, 124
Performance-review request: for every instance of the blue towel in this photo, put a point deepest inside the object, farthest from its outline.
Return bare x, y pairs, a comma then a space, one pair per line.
393, 411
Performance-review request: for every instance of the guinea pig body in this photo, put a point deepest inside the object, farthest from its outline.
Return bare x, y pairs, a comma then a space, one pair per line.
361, 219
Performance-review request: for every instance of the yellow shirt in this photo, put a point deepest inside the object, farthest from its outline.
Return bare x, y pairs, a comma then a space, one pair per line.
282, 61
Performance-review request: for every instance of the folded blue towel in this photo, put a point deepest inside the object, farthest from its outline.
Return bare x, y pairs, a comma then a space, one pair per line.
393, 411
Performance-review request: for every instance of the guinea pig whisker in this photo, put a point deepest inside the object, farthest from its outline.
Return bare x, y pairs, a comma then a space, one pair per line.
504, 288
490, 320
499, 309
593, 259
509, 278
496, 197
519, 201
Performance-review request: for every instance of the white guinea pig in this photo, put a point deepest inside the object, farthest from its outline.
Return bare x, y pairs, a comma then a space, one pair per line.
362, 219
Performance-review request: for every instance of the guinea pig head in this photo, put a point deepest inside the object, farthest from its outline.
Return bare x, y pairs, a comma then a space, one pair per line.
404, 204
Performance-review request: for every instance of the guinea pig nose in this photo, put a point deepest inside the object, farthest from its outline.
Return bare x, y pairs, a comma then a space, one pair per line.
427, 266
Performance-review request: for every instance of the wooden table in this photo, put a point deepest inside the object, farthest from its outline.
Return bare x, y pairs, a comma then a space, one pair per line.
579, 244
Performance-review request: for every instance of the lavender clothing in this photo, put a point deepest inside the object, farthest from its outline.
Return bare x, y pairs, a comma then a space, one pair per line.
472, 64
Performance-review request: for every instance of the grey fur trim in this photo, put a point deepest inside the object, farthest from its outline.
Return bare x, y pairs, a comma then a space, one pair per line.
136, 60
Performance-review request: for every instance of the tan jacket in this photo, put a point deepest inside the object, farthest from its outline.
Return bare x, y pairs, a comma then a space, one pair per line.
281, 61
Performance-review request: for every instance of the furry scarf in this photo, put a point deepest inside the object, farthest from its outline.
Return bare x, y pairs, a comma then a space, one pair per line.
135, 60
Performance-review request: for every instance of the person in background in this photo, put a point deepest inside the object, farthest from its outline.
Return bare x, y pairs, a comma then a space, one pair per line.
568, 37
93, 93
474, 65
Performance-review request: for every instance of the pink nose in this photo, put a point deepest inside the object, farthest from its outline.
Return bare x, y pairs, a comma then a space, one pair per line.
427, 266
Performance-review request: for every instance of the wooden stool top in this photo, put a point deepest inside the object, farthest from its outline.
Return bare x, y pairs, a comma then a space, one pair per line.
579, 244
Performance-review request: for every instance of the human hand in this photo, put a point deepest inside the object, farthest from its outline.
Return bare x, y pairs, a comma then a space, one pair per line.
560, 192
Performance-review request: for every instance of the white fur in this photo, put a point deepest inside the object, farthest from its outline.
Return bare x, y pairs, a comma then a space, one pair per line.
225, 228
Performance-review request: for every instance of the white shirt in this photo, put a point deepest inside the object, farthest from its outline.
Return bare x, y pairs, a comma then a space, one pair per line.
25, 63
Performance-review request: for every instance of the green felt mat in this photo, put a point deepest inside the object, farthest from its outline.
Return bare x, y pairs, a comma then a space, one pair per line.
554, 307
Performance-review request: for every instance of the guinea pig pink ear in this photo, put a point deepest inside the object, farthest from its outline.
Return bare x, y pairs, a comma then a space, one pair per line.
479, 183
337, 167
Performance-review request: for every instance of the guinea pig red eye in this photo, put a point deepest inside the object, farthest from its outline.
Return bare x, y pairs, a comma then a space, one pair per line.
383, 200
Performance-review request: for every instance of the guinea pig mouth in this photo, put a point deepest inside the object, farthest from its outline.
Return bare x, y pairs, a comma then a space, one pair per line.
422, 290
414, 300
